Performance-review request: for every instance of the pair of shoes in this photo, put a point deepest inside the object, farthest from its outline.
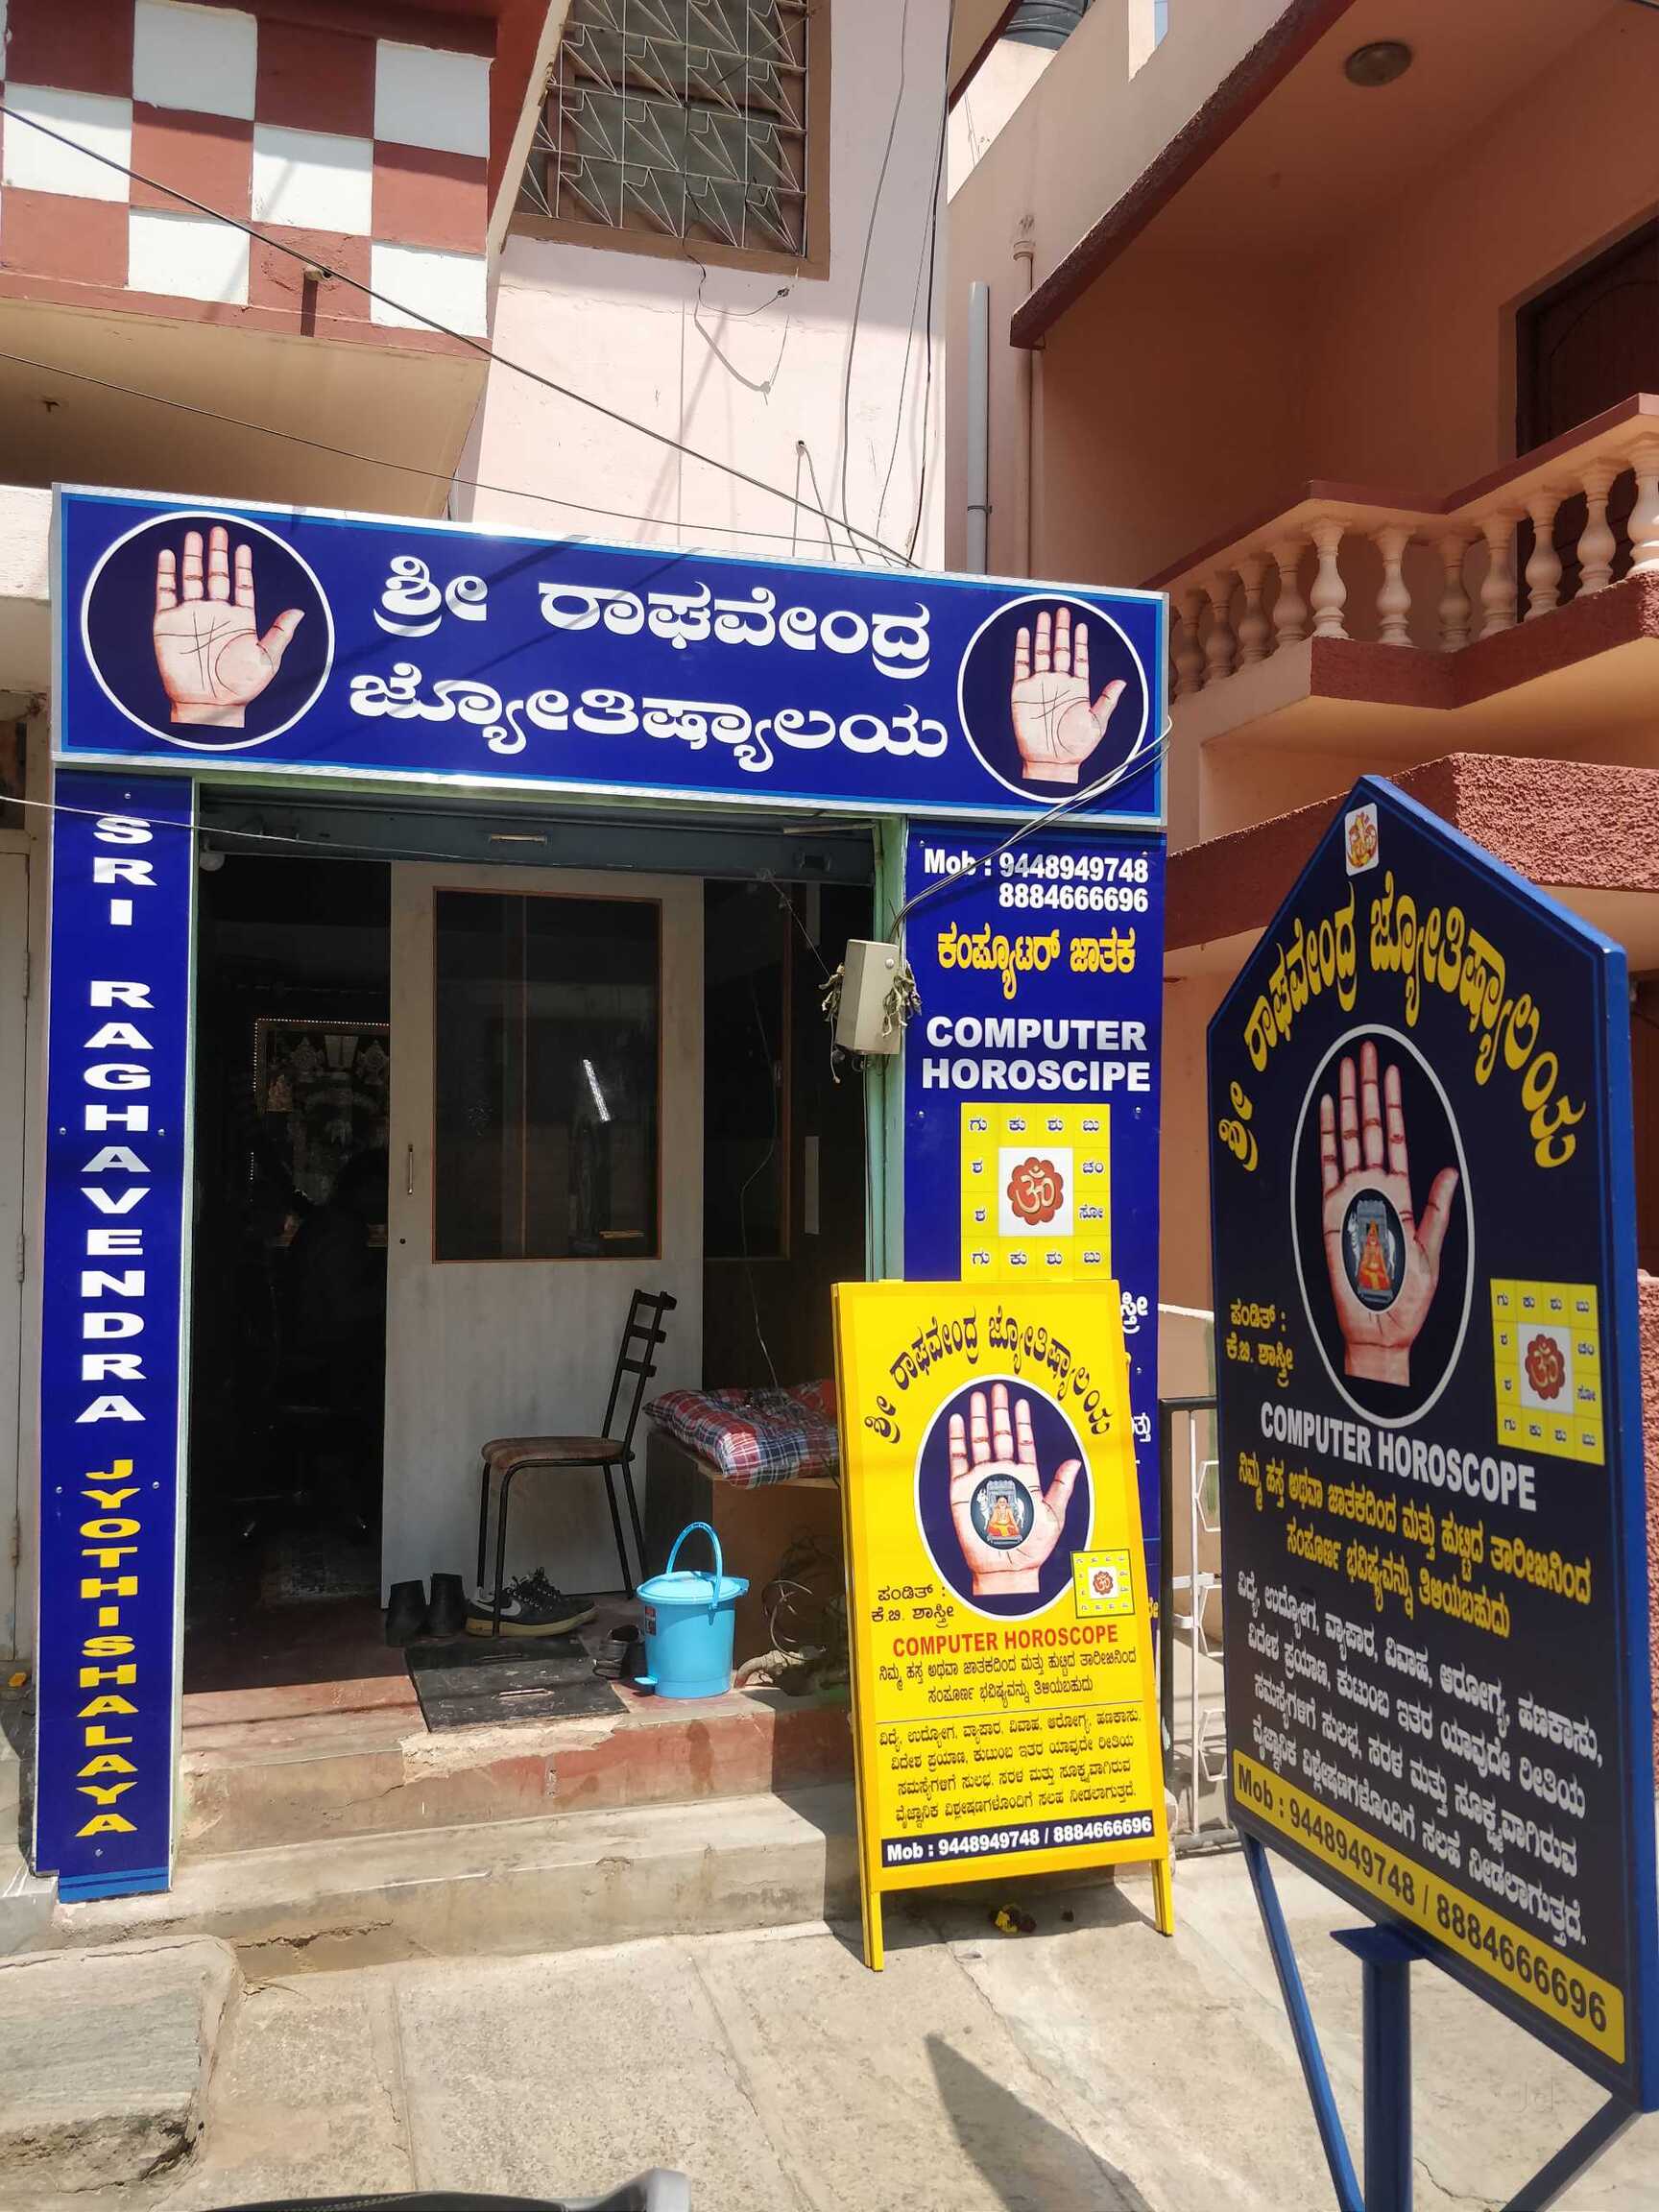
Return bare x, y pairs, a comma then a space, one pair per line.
410, 1620
530, 1606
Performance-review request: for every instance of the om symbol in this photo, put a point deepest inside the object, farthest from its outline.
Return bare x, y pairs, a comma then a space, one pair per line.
1036, 1191
1546, 1368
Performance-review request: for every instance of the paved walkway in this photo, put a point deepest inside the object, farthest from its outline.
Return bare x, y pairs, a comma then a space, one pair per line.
1093, 2066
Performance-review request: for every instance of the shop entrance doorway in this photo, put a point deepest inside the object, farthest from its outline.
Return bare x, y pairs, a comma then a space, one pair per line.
294, 1075
546, 1150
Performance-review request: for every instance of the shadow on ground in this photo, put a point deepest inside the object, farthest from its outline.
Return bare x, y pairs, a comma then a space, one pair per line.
1033, 2163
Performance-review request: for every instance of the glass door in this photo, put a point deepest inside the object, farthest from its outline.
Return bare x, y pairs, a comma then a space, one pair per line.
547, 1161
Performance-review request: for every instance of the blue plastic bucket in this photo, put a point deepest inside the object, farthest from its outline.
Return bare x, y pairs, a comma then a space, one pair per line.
689, 1623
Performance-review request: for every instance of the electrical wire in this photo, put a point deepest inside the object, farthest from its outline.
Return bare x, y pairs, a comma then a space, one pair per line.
416, 315
382, 461
864, 266
1138, 763
932, 261
287, 847
925, 260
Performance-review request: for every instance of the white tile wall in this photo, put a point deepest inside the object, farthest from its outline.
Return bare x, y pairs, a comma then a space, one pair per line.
189, 56
187, 255
42, 165
424, 98
447, 287
313, 180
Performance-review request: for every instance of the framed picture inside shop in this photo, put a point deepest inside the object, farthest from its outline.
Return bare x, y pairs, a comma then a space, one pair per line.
320, 1094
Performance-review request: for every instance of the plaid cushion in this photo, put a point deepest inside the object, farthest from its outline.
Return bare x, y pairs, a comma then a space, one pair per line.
753, 1437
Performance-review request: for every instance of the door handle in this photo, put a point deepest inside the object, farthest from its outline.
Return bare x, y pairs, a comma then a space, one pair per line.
409, 1172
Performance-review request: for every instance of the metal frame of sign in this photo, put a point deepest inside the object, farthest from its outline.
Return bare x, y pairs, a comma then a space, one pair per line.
983, 791
867, 1412
1388, 1949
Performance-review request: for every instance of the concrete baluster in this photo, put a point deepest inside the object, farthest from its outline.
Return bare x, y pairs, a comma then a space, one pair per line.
1498, 588
1644, 515
1254, 628
1454, 610
1330, 593
1219, 644
1189, 651
1597, 544
1544, 564
1394, 596
1289, 609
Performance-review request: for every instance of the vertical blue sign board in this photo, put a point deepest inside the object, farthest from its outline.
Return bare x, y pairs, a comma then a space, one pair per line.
1031, 1078
123, 874
1439, 1698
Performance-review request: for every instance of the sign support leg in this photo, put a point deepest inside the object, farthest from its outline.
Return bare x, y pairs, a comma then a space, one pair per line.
1326, 2117
1386, 1957
1164, 1895
1599, 2133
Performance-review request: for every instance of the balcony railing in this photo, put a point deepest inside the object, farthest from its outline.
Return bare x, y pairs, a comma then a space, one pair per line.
1558, 525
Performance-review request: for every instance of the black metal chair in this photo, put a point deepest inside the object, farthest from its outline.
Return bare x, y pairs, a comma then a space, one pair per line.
509, 1456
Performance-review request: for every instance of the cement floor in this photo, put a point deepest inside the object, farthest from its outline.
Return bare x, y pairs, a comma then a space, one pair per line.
1092, 2066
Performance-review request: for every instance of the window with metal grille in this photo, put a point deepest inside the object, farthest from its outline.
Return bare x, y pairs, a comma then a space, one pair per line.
683, 120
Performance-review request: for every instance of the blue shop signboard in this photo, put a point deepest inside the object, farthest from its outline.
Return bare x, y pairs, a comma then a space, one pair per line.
242, 639
1438, 1688
1031, 1077
117, 1151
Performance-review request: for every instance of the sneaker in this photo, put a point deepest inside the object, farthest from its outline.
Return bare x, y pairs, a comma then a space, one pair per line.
530, 1606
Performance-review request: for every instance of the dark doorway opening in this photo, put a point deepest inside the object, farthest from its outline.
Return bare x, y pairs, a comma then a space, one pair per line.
784, 1140
288, 1351
1587, 342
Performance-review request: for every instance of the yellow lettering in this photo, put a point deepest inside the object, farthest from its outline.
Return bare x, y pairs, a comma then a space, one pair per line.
105, 1794
120, 1586
94, 1737
91, 1677
107, 1647
106, 1704
107, 1824
106, 1762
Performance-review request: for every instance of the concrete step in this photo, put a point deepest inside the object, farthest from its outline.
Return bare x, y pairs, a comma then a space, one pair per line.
106, 2057
506, 1887
272, 1770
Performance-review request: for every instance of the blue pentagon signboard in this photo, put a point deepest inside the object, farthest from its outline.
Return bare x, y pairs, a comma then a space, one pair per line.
1439, 1700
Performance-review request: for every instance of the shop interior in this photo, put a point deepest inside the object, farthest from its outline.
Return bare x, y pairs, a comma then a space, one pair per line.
551, 1137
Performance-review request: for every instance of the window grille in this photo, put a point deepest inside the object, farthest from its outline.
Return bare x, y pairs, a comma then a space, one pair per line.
683, 118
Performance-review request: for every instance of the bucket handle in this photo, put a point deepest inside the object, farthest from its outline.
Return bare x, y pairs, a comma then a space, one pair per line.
690, 1529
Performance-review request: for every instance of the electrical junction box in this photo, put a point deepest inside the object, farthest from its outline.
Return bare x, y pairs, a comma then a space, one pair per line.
868, 973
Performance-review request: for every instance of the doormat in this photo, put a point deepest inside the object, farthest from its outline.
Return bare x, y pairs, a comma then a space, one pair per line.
489, 1682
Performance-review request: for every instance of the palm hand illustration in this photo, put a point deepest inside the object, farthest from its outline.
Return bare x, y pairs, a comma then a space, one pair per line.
212, 659
1056, 726
1010, 1450
1379, 1342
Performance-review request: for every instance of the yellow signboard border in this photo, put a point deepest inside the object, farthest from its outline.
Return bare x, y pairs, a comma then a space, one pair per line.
875, 1881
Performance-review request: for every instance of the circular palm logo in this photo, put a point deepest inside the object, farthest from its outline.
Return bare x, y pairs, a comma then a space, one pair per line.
1053, 698
210, 633
1003, 1495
